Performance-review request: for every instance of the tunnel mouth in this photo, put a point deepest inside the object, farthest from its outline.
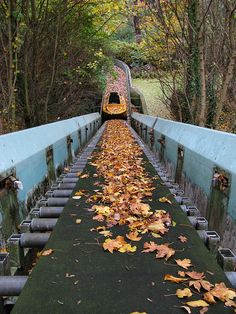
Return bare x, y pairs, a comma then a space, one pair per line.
114, 98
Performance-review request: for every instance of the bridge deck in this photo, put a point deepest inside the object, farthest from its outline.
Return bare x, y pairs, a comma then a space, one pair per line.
80, 277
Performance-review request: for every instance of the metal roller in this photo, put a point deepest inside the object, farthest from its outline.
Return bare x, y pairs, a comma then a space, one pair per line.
12, 285
77, 169
70, 180
34, 240
57, 201
50, 212
66, 186
61, 193
43, 224
72, 175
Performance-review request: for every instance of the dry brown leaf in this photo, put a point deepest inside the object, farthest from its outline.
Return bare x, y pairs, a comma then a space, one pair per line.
106, 233
204, 310
221, 292
47, 252
157, 227
150, 247
111, 245
198, 303
181, 273
195, 275
183, 293
133, 236
185, 263
198, 284
230, 303
182, 239
164, 251
171, 278
99, 218
84, 176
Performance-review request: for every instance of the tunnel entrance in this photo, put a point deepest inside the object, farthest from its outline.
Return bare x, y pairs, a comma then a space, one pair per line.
114, 98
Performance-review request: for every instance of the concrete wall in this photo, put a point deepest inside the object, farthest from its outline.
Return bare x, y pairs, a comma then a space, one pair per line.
24, 153
205, 151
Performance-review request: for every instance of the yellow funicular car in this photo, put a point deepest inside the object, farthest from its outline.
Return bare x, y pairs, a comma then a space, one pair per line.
114, 106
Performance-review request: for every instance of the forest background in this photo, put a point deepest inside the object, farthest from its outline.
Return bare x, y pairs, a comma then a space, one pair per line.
55, 55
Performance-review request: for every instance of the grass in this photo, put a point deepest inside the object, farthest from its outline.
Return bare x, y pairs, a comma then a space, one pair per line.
151, 90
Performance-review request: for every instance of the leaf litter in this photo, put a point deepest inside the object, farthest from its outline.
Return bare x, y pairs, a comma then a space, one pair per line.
121, 202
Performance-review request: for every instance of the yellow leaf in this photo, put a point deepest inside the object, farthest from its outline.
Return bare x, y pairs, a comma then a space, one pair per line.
127, 248
78, 221
183, 293
164, 200
198, 303
155, 235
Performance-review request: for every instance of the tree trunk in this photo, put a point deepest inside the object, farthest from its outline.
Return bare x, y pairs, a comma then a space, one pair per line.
201, 48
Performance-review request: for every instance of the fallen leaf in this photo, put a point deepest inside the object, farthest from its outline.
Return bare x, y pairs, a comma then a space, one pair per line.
47, 252
204, 310
106, 233
186, 308
164, 200
78, 221
99, 218
76, 197
198, 284
84, 176
182, 239
157, 226
155, 235
164, 251
80, 193
195, 275
230, 303
111, 245
150, 247
185, 263
127, 248
171, 278
183, 293
181, 273
133, 236
198, 303
221, 292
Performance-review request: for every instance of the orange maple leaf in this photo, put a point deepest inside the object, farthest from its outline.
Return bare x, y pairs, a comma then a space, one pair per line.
111, 245
133, 236
164, 251
185, 263
150, 247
